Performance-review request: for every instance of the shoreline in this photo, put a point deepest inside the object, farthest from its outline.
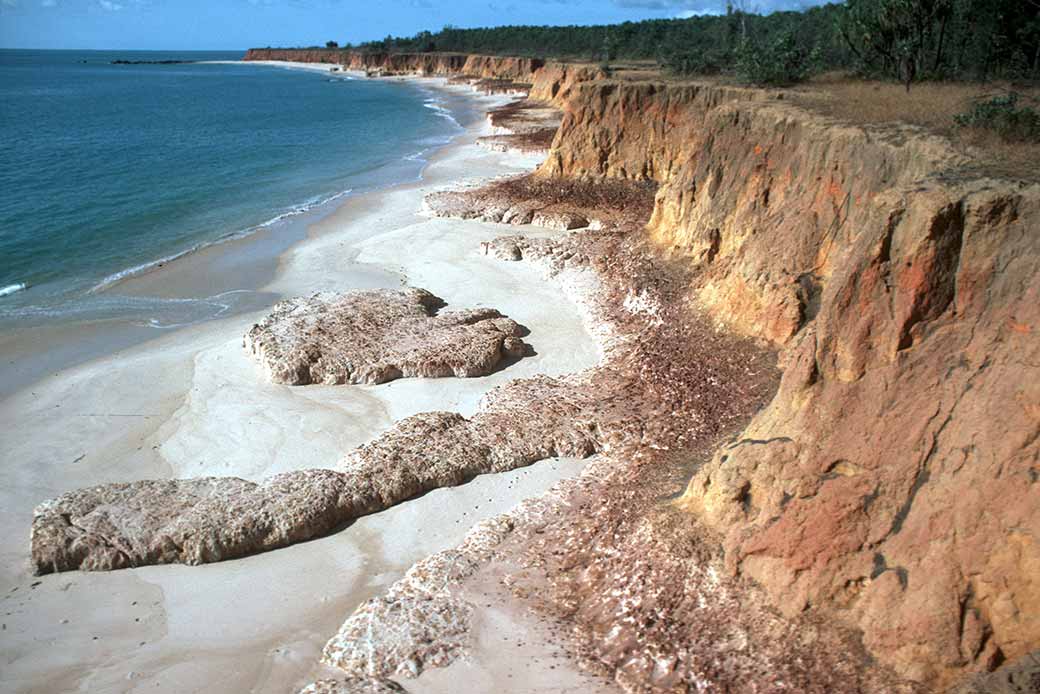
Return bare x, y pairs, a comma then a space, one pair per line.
741, 516
236, 272
260, 622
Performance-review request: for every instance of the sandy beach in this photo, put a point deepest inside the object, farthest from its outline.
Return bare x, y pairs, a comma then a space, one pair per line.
550, 356
192, 403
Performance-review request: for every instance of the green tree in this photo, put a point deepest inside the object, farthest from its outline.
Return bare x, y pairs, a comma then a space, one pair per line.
896, 39
904, 39
781, 61
610, 48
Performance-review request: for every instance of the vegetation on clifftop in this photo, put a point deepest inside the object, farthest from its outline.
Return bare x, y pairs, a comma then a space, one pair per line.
976, 62
896, 39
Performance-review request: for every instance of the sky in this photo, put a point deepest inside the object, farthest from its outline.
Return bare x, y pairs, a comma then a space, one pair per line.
240, 24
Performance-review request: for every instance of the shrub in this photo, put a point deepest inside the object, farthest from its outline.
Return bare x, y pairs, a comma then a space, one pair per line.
686, 61
783, 61
1002, 115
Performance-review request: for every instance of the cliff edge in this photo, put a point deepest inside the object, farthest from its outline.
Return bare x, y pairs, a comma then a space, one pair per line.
546, 81
892, 480
882, 498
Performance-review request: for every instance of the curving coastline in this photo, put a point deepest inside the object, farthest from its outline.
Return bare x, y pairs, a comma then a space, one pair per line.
858, 496
172, 289
788, 223
186, 405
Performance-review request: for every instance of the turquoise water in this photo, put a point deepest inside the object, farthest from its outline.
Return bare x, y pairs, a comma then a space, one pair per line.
107, 170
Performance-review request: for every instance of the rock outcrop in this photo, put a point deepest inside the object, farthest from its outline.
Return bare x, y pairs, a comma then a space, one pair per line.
558, 203
525, 126
884, 499
377, 336
193, 521
419, 623
197, 521
547, 81
892, 482
354, 685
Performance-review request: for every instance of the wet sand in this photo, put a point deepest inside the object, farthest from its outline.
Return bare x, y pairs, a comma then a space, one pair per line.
192, 403
221, 280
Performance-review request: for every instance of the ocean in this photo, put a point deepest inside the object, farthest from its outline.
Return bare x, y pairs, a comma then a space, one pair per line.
107, 171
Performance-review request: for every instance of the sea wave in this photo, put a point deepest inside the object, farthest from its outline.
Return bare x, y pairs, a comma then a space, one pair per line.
125, 274
162, 313
13, 288
218, 302
437, 107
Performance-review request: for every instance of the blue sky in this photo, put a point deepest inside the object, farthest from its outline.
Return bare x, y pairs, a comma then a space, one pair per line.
239, 24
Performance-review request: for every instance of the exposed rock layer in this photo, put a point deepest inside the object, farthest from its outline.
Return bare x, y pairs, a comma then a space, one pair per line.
419, 623
890, 483
635, 579
523, 126
561, 204
377, 336
198, 521
353, 685
893, 479
549, 81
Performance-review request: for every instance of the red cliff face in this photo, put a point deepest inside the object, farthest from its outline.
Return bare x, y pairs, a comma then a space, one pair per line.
893, 480
443, 64
549, 81
301, 55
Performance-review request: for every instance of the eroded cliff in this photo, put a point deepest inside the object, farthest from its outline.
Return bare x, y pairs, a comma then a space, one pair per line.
889, 485
547, 81
892, 480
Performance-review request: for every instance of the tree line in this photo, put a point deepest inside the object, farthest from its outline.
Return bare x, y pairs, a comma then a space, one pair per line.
906, 40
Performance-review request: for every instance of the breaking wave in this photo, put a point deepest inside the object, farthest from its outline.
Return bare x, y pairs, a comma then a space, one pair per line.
125, 274
13, 288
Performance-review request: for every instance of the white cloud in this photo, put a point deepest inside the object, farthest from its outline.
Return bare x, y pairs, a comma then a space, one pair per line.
686, 14
8, 3
689, 8
109, 5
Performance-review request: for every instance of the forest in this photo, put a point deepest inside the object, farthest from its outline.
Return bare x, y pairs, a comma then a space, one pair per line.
906, 40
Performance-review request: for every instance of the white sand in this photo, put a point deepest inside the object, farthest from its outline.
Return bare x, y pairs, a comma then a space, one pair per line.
192, 403
287, 65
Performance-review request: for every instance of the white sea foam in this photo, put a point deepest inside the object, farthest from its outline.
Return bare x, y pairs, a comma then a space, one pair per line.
13, 288
219, 302
125, 274
433, 103
437, 107
155, 312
